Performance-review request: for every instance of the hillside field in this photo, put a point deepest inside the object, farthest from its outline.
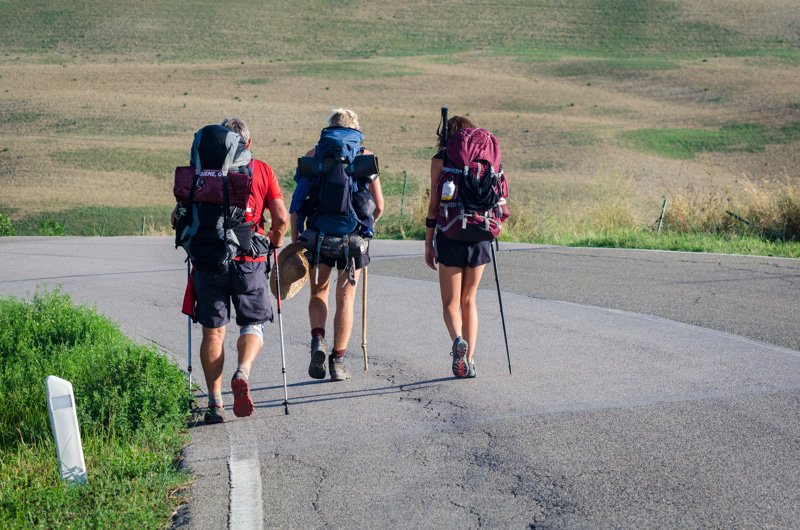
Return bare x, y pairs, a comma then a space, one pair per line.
99, 103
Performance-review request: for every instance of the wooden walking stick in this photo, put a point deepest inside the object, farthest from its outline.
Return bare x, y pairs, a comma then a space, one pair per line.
364, 319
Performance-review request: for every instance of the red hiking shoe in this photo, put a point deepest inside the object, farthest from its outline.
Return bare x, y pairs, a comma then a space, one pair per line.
242, 404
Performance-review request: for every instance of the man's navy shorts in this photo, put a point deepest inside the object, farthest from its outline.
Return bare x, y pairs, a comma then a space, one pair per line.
462, 254
243, 282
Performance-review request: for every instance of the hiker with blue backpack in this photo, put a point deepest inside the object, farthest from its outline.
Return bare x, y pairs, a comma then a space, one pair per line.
467, 205
219, 221
334, 208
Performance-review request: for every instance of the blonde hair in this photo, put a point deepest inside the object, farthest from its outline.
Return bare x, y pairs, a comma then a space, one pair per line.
343, 118
238, 126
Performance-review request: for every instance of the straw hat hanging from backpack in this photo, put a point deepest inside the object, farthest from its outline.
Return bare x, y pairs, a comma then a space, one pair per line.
293, 271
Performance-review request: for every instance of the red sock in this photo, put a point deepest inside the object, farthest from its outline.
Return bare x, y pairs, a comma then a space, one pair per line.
338, 354
318, 333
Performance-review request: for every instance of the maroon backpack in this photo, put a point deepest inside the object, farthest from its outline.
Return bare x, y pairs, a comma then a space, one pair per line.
472, 188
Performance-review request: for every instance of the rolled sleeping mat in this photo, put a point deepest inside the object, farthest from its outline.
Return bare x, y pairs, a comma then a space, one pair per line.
308, 166
366, 167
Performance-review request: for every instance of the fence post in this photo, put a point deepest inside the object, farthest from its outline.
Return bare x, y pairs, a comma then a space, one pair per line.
403, 200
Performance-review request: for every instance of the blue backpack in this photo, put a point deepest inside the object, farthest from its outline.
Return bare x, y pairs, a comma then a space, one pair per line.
333, 195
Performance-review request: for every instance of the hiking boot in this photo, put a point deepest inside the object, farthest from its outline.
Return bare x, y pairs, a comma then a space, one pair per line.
460, 368
242, 404
472, 372
214, 414
337, 369
319, 350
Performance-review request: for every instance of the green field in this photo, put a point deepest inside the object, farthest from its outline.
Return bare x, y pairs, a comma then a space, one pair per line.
99, 101
604, 109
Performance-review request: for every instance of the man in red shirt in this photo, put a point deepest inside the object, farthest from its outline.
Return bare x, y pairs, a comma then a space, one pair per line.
243, 281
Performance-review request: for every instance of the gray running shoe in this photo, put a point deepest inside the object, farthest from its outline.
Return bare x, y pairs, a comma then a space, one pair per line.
472, 372
319, 350
337, 369
460, 368
214, 414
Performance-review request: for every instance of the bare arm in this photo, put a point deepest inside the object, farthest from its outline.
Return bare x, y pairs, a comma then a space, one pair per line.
433, 205
433, 210
280, 221
377, 196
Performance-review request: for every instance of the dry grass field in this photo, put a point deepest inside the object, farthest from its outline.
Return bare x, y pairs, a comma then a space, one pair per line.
592, 101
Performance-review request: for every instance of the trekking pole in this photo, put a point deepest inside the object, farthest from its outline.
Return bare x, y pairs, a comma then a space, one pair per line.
364, 320
444, 134
500, 299
189, 334
280, 325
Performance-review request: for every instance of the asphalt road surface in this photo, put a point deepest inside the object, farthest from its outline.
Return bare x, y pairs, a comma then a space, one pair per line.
649, 389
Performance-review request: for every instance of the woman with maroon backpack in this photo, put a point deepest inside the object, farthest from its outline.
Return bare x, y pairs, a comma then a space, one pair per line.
467, 206
461, 265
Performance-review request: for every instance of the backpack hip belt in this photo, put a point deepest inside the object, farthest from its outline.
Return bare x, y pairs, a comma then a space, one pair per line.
321, 244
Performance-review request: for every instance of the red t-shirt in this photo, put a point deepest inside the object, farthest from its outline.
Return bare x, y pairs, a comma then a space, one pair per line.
265, 189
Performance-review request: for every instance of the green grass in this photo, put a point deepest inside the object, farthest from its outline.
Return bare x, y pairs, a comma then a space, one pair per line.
158, 163
686, 143
6, 227
132, 405
621, 67
255, 81
66, 30
392, 185
99, 221
730, 243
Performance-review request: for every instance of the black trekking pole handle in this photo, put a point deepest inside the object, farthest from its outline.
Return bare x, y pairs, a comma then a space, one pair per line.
444, 134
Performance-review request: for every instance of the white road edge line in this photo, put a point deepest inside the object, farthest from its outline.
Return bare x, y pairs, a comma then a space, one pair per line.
246, 509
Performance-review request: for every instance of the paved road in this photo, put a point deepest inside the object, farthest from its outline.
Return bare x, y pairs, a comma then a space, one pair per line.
625, 414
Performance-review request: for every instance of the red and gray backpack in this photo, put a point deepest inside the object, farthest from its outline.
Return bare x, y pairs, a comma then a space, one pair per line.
472, 187
212, 196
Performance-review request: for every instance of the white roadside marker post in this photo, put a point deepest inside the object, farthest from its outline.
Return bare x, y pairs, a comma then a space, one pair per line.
64, 421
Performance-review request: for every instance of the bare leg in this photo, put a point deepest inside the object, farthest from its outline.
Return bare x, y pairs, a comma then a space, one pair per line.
318, 301
343, 319
248, 345
450, 279
212, 357
469, 306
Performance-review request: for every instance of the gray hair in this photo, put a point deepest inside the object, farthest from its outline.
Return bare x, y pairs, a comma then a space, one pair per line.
238, 126
343, 118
